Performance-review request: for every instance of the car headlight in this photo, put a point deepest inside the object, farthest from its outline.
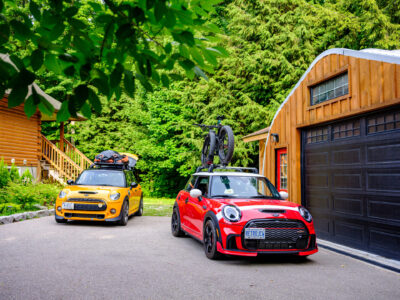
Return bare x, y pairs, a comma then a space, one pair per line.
305, 214
115, 196
231, 213
62, 194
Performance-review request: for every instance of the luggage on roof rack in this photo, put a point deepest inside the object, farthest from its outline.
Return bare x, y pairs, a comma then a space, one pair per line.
113, 159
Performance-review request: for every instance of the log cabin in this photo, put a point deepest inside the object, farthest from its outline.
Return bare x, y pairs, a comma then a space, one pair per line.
334, 146
22, 143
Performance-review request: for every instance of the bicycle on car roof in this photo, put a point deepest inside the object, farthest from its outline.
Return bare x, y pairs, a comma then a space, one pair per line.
219, 143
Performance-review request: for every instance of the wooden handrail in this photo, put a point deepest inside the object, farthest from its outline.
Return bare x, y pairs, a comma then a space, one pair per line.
77, 156
72, 152
60, 161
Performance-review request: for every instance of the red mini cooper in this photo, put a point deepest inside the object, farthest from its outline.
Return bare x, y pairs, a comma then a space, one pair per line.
240, 213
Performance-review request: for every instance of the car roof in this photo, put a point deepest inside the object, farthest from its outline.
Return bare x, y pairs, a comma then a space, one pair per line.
239, 174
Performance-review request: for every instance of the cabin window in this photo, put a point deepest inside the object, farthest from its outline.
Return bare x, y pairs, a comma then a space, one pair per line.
330, 89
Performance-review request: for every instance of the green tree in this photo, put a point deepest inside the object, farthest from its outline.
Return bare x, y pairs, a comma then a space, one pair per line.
96, 47
270, 43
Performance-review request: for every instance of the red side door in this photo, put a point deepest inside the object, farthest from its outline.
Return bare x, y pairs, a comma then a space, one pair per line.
282, 170
195, 209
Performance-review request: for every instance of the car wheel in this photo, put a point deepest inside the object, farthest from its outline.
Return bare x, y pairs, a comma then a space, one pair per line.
210, 240
140, 211
176, 223
61, 220
124, 214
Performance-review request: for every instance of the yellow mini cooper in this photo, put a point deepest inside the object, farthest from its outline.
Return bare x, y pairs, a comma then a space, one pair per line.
100, 194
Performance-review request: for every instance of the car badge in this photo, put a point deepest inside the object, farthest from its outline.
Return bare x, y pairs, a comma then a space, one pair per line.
276, 215
86, 195
100, 205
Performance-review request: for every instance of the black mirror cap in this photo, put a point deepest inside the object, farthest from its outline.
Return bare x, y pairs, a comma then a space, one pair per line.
134, 184
70, 181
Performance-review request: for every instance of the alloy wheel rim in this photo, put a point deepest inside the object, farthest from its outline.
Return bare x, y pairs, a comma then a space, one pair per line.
126, 212
174, 222
209, 239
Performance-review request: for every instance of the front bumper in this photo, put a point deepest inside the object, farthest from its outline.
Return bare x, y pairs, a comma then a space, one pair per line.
232, 242
87, 212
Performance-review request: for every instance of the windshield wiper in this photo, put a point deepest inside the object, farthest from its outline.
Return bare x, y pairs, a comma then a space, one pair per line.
222, 196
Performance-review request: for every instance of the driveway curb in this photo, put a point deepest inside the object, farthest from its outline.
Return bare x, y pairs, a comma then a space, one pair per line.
26, 216
380, 261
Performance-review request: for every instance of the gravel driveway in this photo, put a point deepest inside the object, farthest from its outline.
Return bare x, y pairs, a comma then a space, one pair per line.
40, 259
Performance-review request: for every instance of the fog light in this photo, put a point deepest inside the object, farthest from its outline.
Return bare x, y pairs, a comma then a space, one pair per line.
113, 211
59, 208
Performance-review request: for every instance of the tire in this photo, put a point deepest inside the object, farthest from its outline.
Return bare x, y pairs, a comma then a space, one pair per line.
124, 214
176, 223
208, 151
226, 144
61, 220
140, 211
210, 240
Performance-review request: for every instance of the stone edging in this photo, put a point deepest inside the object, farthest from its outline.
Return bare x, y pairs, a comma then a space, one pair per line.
26, 216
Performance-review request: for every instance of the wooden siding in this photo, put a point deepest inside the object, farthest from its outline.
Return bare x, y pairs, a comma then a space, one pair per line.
19, 136
372, 85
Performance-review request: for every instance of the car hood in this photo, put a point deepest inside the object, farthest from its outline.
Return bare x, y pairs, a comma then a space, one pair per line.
260, 203
262, 208
89, 191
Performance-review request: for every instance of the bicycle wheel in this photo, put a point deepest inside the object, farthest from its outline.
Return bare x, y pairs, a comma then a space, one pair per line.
207, 153
226, 144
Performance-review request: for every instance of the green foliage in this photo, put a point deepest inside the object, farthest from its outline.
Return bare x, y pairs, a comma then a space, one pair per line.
27, 177
4, 174
18, 197
14, 174
101, 47
270, 44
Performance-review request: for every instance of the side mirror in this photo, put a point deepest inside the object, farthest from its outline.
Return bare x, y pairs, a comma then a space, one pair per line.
70, 181
284, 195
195, 193
133, 185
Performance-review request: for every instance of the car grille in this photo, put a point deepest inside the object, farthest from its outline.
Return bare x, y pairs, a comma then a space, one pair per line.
89, 207
89, 200
89, 216
279, 234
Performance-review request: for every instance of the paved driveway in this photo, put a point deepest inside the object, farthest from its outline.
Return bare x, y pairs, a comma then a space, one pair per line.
40, 259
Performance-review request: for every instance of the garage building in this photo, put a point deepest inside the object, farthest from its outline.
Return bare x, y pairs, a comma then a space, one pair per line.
334, 146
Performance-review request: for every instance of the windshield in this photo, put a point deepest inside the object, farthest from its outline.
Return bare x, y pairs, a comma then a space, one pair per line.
243, 187
100, 177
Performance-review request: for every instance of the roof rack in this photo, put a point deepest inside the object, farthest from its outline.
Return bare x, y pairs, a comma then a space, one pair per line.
213, 167
105, 165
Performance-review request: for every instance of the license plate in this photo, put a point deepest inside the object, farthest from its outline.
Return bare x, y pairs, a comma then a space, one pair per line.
68, 205
254, 233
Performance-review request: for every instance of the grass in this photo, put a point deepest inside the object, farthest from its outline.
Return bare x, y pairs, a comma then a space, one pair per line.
158, 206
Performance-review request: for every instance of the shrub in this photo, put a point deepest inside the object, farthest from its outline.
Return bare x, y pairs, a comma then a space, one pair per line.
26, 177
14, 174
4, 174
9, 209
22, 194
47, 193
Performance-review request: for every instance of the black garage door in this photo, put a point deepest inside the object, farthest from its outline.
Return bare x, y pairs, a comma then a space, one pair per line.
351, 181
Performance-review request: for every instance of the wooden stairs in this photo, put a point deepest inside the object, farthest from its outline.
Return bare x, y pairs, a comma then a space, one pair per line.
62, 160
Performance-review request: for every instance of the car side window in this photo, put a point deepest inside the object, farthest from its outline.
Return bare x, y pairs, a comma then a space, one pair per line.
128, 178
190, 183
202, 185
